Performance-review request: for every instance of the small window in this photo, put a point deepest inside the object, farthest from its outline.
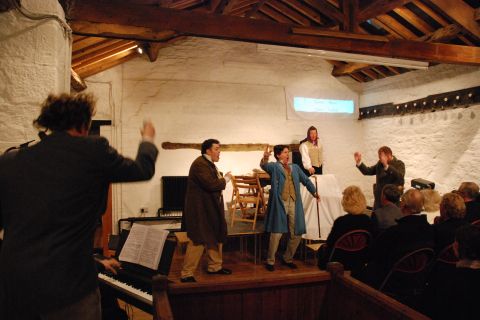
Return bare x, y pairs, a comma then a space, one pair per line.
301, 104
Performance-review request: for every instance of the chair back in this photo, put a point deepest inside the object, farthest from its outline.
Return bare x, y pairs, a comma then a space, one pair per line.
352, 245
415, 264
476, 223
247, 198
447, 256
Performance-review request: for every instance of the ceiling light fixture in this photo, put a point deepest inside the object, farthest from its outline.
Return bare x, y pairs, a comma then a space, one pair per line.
342, 56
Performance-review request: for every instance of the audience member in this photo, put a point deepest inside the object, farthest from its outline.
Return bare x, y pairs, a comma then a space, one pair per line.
387, 215
411, 232
470, 194
452, 213
456, 296
432, 204
355, 204
388, 170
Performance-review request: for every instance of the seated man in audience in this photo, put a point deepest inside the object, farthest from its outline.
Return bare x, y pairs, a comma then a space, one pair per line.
386, 216
411, 232
456, 297
355, 204
432, 204
470, 193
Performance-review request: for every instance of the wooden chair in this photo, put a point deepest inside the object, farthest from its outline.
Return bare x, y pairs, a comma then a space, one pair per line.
247, 199
406, 279
476, 223
447, 256
351, 249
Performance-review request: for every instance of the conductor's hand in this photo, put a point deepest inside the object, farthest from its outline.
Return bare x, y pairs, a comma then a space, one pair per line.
358, 157
111, 265
311, 170
317, 196
148, 131
267, 152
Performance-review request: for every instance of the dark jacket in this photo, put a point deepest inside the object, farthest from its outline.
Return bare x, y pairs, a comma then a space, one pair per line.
445, 232
52, 194
385, 217
472, 211
411, 232
341, 226
204, 213
393, 175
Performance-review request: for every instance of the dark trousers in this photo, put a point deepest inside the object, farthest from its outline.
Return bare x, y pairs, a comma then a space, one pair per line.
88, 308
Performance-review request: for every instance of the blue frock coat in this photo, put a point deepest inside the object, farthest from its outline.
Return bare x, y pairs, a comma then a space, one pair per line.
276, 220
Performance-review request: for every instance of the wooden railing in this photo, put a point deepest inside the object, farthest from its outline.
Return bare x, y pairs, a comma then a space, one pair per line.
315, 295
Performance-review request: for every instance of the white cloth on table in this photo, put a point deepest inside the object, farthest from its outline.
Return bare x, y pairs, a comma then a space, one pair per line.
330, 206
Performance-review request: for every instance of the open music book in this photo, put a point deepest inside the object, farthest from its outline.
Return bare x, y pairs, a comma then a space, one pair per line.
144, 246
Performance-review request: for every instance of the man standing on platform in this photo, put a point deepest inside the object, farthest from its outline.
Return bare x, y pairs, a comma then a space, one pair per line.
52, 195
388, 170
285, 208
204, 214
312, 153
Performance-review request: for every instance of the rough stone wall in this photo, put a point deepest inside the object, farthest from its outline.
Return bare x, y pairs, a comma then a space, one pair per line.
35, 58
442, 146
203, 88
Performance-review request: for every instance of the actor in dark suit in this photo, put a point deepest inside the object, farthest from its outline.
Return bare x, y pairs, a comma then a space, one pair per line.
52, 194
204, 215
355, 204
411, 232
388, 170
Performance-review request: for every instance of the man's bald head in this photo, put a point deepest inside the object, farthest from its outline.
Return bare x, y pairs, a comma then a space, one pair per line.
412, 202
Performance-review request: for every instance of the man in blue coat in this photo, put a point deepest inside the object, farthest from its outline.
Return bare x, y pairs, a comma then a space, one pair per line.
285, 208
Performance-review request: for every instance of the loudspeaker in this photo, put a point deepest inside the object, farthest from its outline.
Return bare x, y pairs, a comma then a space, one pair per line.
422, 184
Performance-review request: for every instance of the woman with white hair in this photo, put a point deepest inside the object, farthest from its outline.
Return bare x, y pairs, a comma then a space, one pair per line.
355, 205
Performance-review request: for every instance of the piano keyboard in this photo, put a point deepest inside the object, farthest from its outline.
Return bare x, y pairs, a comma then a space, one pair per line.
127, 289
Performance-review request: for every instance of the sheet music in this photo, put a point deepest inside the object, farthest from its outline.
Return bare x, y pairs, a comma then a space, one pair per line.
144, 246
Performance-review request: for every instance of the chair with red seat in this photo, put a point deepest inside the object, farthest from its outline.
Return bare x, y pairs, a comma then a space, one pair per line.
351, 249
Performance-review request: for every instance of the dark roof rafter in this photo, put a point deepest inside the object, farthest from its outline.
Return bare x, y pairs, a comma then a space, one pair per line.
118, 19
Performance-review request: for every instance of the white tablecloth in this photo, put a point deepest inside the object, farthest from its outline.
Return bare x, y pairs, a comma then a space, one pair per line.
329, 208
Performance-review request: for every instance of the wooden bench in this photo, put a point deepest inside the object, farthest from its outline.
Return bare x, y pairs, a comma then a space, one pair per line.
317, 295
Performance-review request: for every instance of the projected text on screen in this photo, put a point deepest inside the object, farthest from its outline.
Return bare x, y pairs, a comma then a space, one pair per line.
322, 105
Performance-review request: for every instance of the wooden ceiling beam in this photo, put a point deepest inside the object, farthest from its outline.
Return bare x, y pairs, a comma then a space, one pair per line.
94, 49
461, 13
293, 15
378, 7
106, 53
86, 42
230, 6
255, 8
120, 19
399, 28
327, 9
76, 82
306, 11
349, 68
443, 34
415, 21
106, 64
350, 13
275, 15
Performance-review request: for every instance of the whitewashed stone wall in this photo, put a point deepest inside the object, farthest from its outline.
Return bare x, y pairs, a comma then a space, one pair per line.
203, 88
443, 146
35, 58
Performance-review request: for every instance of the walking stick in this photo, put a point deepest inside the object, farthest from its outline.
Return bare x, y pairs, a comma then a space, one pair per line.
318, 210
